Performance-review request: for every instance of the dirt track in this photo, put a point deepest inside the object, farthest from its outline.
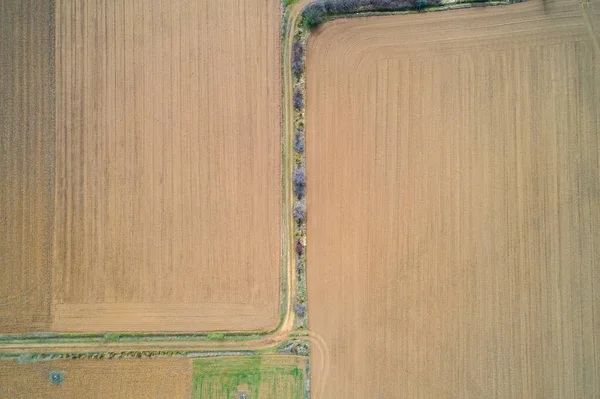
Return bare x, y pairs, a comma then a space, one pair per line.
454, 204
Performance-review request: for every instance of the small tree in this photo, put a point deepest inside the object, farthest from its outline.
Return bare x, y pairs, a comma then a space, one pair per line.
298, 98
299, 248
297, 57
421, 4
299, 211
300, 308
314, 15
299, 180
299, 177
299, 141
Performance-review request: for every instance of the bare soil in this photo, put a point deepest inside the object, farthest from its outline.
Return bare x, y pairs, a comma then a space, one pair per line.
454, 204
154, 203
116, 378
167, 165
26, 164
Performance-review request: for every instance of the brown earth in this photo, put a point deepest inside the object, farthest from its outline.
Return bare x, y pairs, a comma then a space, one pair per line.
26, 164
454, 204
167, 166
122, 378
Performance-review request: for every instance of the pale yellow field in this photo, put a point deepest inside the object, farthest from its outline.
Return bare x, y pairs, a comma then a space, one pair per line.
454, 204
154, 202
26, 164
117, 378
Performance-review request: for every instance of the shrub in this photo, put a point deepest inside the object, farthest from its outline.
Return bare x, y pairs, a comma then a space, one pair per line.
300, 309
421, 4
299, 211
299, 180
300, 348
216, 336
297, 57
299, 269
298, 98
392, 4
300, 191
299, 141
299, 248
299, 176
344, 6
314, 15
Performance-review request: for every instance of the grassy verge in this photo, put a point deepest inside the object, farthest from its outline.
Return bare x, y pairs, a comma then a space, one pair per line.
257, 376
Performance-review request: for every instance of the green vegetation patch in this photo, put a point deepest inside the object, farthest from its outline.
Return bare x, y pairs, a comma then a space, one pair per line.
258, 376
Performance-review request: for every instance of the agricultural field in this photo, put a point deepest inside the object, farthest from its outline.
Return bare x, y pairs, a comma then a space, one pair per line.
123, 378
269, 377
453, 195
26, 164
141, 151
274, 376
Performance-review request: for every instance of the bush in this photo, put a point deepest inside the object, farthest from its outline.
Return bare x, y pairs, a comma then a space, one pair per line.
299, 141
392, 4
298, 98
299, 212
342, 6
382, 4
421, 4
299, 180
314, 15
297, 57
299, 248
300, 309
299, 268
299, 176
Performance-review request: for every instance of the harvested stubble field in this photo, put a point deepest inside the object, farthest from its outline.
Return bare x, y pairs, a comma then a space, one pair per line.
454, 204
123, 378
153, 201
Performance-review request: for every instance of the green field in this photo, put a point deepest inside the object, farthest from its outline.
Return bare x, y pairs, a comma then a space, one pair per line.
258, 376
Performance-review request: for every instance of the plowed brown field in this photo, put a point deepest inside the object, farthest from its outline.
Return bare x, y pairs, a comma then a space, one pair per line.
26, 163
155, 202
122, 378
167, 165
454, 204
